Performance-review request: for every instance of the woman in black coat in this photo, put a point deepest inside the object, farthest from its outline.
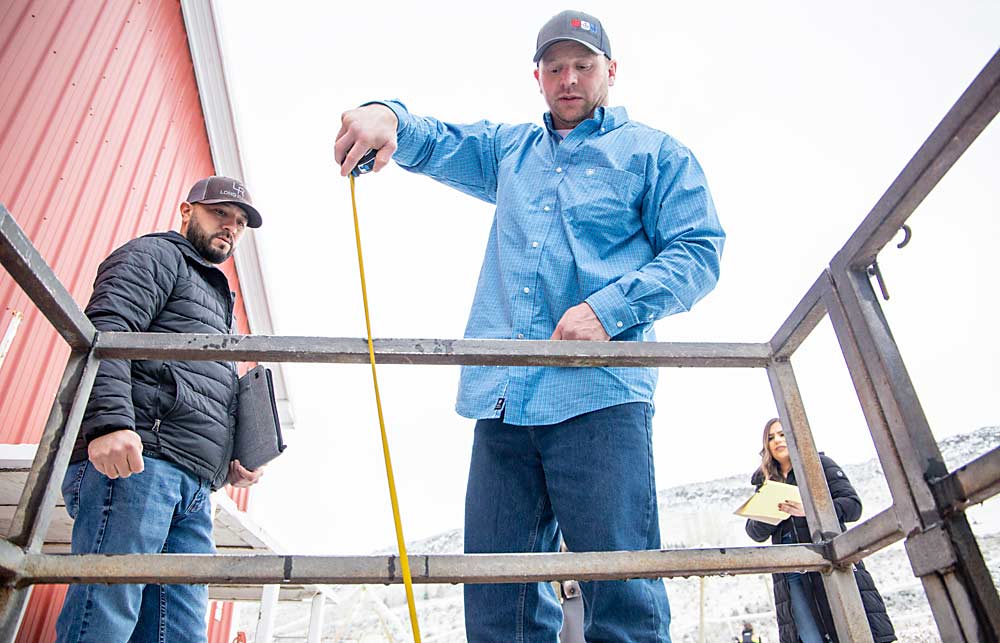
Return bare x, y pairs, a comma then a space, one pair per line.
800, 600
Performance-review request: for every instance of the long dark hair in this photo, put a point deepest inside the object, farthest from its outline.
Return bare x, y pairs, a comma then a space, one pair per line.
768, 465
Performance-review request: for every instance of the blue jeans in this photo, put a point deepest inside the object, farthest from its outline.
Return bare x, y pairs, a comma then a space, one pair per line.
590, 478
801, 612
163, 509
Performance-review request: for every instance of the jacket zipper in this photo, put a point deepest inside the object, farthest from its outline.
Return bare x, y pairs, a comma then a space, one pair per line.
156, 432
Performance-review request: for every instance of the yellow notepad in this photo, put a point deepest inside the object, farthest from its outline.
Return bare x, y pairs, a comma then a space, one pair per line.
763, 505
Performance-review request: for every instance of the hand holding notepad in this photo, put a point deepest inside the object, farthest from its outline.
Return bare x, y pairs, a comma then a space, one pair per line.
763, 505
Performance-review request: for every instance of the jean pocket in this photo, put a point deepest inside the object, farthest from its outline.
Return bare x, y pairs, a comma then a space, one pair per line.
71, 487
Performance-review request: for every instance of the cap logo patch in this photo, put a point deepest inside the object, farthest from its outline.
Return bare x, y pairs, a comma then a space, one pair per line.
585, 25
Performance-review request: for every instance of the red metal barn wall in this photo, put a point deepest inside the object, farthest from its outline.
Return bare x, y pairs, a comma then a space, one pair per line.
101, 135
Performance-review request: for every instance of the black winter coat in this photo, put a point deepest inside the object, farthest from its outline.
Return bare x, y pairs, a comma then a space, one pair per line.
185, 412
848, 507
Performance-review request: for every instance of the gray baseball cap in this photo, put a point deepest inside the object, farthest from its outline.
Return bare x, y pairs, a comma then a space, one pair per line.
222, 189
576, 26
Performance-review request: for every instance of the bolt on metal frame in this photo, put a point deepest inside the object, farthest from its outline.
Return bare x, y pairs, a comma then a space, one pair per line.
928, 507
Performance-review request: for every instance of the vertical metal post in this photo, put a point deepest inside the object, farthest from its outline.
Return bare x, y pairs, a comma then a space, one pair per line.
701, 609
268, 611
841, 589
903, 501
38, 499
944, 554
316, 618
12, 604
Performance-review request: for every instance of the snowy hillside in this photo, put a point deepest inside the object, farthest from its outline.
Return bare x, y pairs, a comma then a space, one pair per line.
695, 515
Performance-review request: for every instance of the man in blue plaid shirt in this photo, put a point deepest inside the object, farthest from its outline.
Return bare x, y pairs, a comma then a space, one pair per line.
602, 226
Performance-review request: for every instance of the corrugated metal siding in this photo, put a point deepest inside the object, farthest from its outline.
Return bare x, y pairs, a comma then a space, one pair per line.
220, 621
101, 134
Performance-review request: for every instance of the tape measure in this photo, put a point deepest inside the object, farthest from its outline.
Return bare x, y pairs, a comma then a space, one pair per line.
365, 165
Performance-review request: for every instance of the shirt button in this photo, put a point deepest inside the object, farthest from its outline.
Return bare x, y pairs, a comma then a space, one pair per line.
520, 335
527, 290
546, 208
619, 324
534, 244
602, 129
558, 170
651, 315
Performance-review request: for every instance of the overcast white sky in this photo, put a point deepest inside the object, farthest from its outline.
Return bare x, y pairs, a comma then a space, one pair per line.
802, 114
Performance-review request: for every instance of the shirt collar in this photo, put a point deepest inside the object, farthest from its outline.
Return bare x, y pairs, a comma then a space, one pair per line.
605, 119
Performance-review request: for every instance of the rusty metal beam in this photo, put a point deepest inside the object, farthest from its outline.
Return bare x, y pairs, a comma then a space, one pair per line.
943, 544
806, 316
42, 487
917, 450
469, 568
809, 475
970, 484
845, 600
489, 352
904, 503
35, 277
970, 115
866, 538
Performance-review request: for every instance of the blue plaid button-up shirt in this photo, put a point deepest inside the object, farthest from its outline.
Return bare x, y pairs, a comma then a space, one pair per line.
617, 214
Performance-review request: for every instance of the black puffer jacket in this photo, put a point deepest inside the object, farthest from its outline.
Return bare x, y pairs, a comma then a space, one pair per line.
185, 412
848, 507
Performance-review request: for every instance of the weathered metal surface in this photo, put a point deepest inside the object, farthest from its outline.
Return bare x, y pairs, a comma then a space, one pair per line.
471, 568
866, 538
489, 352
804, 318
11, 557
809, 475
20, 258
971, 483
846, 607
43, 486
12, 603
845, 600
970, 115
911, 437
904, 504
970, 590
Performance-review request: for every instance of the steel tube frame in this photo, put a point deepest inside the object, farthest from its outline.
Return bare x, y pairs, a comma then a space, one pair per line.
963, 123
928, 502
24, 263
42, 488
267, 569
970, 595
803, 320
865, 538
970, 484
842, 591
479, 352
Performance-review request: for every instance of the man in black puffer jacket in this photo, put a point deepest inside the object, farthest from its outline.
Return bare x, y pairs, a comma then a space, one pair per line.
794, 529
157, 436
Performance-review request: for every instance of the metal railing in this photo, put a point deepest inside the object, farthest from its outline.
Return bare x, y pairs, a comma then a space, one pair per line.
928, 500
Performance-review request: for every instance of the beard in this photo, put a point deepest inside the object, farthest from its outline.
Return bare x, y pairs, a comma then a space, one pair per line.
202, 242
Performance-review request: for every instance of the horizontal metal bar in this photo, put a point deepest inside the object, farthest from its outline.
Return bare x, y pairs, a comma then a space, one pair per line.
974, 482
11, 558
488, 352
470, 568
39, 282
806, 316
866, 538
979, 479
970, 115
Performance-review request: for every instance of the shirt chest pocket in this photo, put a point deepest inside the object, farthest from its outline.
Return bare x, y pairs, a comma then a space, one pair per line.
602, 200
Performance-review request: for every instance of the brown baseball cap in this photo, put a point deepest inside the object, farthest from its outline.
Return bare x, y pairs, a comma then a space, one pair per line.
222, 189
